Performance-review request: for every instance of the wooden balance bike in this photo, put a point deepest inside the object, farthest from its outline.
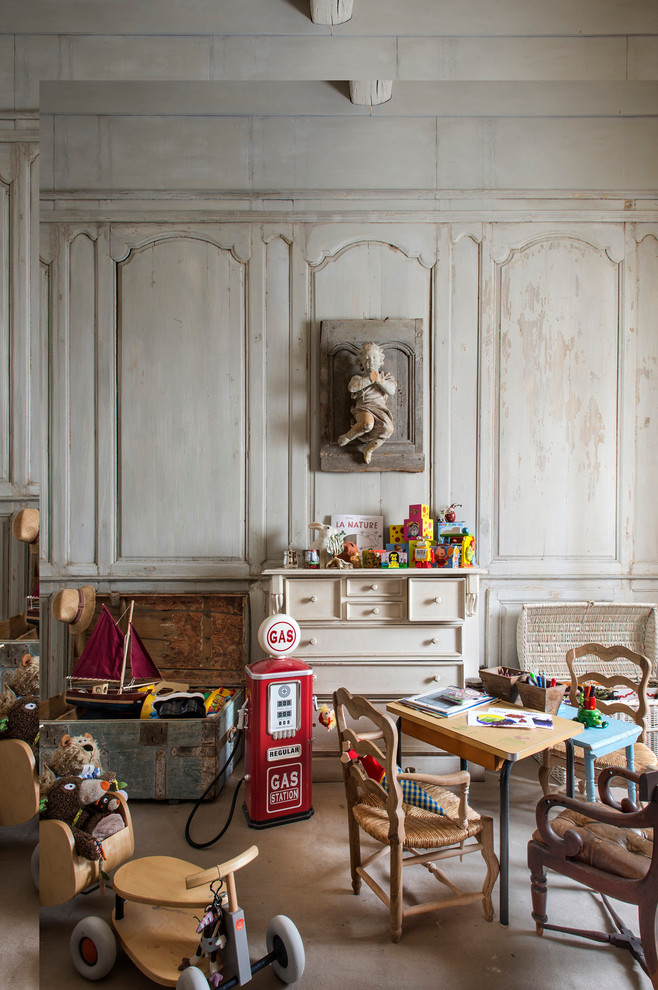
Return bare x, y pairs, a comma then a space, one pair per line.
156, 921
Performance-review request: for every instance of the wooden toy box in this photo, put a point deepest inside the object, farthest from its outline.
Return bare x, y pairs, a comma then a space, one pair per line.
159, 759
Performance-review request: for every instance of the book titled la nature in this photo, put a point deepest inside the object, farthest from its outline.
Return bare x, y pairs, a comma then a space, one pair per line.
510, 718
366, 531
448, 701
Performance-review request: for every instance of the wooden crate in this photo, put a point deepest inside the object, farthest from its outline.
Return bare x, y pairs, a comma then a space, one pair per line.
159, 759
16, 627
200, 639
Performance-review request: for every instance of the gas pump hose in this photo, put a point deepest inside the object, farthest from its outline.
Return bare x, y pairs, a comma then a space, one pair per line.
211, 842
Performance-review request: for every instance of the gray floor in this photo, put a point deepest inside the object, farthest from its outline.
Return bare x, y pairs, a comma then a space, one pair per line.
302, 871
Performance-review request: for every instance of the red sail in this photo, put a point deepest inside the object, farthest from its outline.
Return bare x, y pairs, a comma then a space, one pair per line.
141, 665
103, 655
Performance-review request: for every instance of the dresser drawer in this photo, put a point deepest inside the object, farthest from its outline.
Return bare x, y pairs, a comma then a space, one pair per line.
399, 641
437, 600
312, 600
374, 587
375, 611
383, 680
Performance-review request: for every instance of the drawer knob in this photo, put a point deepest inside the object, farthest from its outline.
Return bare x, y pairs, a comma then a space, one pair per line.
437, 678
375, 611
374, 587
436, 640
313, 641
438, 599
313, 598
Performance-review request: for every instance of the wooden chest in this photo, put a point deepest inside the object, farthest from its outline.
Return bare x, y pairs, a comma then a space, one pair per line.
200, 639
159, 759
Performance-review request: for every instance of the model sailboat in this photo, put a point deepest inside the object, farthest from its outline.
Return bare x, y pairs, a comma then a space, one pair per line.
99, 681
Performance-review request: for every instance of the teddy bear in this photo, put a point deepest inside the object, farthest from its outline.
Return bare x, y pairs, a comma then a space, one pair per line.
73, 800
78, 756
21, 721
25, 679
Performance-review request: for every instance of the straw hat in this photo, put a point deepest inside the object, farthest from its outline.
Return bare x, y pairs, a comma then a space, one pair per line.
25, 525
75, 606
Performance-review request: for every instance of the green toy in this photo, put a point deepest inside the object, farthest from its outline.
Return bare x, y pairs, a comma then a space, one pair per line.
591, 717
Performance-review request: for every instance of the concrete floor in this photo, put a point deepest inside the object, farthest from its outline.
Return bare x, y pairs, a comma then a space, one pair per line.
302, 871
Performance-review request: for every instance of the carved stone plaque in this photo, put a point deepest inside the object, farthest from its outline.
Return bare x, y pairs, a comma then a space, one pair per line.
402, 344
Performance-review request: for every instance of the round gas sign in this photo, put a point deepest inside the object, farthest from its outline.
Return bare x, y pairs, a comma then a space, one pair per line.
279, 635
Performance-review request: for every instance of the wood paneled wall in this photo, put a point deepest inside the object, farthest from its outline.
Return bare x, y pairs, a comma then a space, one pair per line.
184, 409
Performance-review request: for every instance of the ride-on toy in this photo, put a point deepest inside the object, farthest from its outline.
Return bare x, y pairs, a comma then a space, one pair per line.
156, 920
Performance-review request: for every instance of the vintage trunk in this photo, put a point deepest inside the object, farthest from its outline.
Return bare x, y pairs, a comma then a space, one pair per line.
11, 654
159, 759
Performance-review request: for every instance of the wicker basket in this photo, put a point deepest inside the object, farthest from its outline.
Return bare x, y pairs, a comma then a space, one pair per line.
541, 699
547, 630
501, 681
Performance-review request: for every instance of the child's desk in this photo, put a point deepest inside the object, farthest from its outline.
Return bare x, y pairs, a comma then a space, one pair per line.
493, 748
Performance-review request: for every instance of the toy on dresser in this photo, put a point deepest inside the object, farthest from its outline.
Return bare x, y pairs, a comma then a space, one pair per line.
21, 721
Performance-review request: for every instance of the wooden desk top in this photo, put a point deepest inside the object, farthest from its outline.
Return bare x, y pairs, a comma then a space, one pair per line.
488, 747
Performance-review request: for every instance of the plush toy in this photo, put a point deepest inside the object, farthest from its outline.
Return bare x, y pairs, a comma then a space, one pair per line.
22, 722
412, 791
7, 699
212, 932
327, 717
349, 552
25, 679
78, 756
73, 800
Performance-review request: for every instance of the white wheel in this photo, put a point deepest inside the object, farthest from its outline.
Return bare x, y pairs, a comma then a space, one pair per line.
192, 979
283, 938
93, 948
34, 866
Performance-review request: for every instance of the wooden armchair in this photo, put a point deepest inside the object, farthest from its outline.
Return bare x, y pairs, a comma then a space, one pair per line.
63, 873
609, 848
608, 666
19, 787
380, 810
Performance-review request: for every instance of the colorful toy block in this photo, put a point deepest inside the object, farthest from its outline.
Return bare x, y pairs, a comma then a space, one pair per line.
419, 512
396, 533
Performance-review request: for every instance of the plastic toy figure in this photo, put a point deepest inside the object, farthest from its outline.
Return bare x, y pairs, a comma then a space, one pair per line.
370, 391
591, 717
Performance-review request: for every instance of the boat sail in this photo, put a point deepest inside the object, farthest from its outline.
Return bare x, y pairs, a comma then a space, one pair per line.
98, 682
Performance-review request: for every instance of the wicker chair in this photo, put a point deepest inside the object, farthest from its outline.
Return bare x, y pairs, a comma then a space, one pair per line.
402, 827
609, 848
609, 666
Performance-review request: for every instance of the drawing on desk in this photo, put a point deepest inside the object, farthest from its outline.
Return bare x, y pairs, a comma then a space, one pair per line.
509, 718
447, 701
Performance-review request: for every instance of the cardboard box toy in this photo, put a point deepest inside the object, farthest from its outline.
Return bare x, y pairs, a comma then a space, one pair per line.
419, 512
396, 533
419, 529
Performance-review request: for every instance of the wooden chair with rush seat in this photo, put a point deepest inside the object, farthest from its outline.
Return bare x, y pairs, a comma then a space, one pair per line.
609, 667
412, 834
609, 848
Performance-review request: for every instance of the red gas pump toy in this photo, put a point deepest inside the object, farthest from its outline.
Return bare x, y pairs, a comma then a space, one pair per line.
278, 729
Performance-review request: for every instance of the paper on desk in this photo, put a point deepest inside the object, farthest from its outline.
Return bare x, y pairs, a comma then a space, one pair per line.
505, 718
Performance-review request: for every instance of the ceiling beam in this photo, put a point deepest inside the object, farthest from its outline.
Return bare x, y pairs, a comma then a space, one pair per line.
370, 92
331, 11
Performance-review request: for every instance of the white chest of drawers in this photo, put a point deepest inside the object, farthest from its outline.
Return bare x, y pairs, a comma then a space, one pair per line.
381, 633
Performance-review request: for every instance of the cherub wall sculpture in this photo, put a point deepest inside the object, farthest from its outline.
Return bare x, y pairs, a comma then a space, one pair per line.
370, 391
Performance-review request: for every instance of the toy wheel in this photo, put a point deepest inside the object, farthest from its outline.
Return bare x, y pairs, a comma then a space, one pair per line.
192, 979
34, 866
283, 939
93, 948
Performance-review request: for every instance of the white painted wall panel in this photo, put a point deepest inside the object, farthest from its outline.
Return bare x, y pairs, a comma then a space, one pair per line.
151, 153
557, 402
84, 474
5, 368
182, 431
512, 58
643, 58
7, 96
646, 419
278, 346
370, 280
343, 153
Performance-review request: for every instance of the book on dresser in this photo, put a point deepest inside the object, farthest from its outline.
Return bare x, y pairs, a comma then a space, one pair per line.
448, 701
